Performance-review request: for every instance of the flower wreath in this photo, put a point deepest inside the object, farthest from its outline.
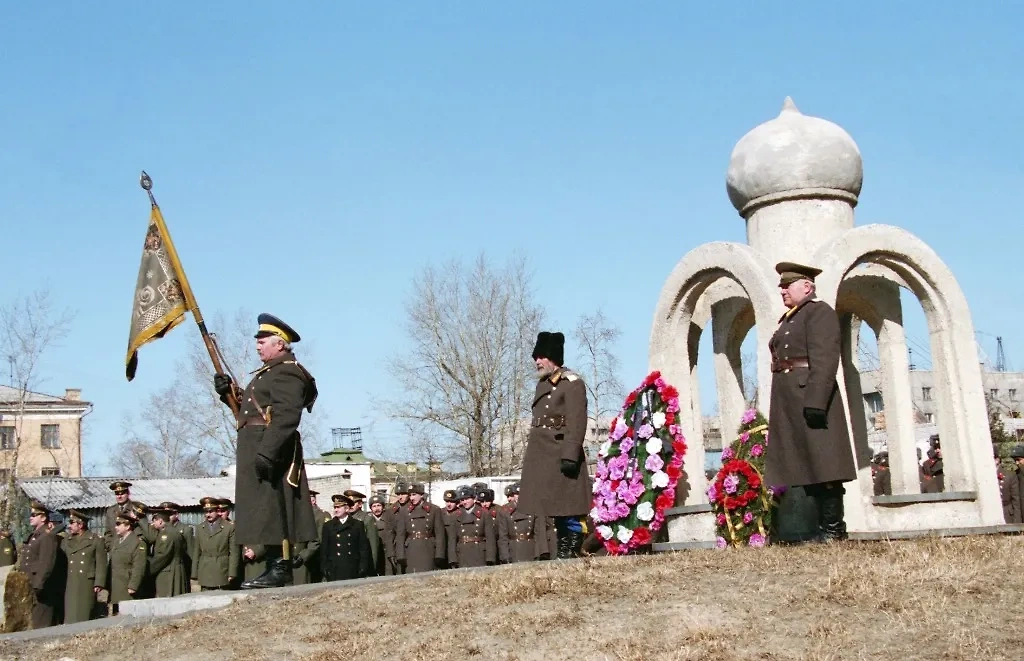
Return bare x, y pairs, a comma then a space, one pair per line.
638, 467
742, 503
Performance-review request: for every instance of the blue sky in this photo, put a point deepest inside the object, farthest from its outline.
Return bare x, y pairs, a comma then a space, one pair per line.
310, 163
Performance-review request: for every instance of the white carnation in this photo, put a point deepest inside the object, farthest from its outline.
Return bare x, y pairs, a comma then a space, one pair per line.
658, 419
654, 445
645, 511
660, 479
597, 486
603, 451
625, 534
605, 532
594, 514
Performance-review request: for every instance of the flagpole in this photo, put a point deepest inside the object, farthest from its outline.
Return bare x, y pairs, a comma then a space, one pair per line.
186, 289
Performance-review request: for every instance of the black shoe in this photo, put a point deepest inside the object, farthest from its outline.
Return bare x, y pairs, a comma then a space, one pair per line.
277, 575
832, 527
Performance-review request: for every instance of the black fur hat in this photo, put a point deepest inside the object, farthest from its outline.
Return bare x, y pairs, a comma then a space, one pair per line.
550, 346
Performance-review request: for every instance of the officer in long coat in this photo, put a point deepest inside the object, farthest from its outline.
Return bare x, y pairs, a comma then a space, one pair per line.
881, 476
419, 537
344, 551
39, 561
186, 532
216, 559
521, 536
271, 490
123, 505
808, 436
167, 562
357, 511
128, 562
391, 514
555, 482
473, 543
1009, 493
377, 505
87, 568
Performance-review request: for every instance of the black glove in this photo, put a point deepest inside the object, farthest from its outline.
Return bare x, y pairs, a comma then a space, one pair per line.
816, 418
222, 384
297, 561
264, 467
570, 468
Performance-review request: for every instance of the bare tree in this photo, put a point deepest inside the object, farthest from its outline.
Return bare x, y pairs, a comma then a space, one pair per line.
749, 362
201, 422
29, 328
467, 374
599, 367
156, 442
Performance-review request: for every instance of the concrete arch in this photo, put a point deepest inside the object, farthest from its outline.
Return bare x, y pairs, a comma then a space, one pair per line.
681, 315
964, 423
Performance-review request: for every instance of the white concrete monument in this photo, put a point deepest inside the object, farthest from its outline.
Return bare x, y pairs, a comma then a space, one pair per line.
795, 180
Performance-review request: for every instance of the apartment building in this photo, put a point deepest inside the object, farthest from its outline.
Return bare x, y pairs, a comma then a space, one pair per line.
50, 429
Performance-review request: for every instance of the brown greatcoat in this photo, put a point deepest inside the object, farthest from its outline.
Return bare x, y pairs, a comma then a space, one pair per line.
377, 552
473, 543
269, 511
167, 563
798, 455
128, 566
1009, 492
419, 537
39, 560
522, 537
387, 538
557, 431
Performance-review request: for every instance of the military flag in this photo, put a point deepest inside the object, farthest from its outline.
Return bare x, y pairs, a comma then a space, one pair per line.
162, 295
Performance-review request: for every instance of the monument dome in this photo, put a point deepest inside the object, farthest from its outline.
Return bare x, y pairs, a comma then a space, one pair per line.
793, 156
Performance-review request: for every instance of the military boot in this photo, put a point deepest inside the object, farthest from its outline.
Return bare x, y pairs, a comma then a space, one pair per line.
832, 527
277, 575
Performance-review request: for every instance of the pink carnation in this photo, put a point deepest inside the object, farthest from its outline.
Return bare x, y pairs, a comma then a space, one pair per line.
744, 437
654, 463
756, 451
749, 416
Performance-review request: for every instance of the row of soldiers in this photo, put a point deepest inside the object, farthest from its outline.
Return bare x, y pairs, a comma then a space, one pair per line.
147, 551
932, 477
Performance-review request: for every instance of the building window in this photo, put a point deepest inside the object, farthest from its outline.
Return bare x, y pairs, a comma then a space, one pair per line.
4, 474
929, 417
50, 472
926, 394
50, 437
6, 438
994, 393
874, 402
1013, 394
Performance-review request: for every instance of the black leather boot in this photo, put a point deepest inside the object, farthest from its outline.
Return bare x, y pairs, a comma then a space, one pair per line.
277, 575
830, 507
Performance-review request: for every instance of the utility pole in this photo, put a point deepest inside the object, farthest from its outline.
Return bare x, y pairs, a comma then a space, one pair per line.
910, 358
1000, 355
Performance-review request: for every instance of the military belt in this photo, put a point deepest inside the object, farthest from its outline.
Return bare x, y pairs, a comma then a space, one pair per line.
470, 540
420, 535
252, 422
555, 421
785, 365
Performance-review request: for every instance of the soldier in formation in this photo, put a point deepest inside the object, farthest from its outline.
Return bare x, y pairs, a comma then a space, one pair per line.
344, 549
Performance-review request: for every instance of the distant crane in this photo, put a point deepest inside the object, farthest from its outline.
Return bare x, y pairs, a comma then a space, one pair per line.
1000, 355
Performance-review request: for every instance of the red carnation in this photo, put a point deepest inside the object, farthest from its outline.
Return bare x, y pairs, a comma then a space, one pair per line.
630, 399
642, 536
750, 495
678, 447
663, 502
669, 392
615, 485
673, 472
670, 418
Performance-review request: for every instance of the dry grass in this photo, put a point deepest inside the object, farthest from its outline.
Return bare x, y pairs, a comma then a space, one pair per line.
931, 599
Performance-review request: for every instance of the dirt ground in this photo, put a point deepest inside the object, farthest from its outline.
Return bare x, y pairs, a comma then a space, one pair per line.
939, 600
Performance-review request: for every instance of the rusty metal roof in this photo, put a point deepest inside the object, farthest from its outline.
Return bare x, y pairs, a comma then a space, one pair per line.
87, 492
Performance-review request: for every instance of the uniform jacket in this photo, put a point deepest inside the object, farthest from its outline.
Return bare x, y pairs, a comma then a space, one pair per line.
344, 550
167, 563
87, 569
474, 543
309, 571
419, 537
521, 537
882, 480
558, 427
1009, 492
216, 554
128, 566
269, 511
798, 455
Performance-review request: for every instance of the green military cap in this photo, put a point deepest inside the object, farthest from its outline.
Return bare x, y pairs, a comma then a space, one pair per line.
124, 518
340, 499
169, 506
75, 515
224, 503
353, 494
208, 503
790, 272
38, 507
120, 487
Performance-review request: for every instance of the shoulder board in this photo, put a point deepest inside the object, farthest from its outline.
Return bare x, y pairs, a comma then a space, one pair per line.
571, 376
261, 369
142, 546
302, 369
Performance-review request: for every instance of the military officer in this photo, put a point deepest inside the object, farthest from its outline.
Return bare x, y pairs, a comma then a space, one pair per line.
1017, 456
377, 504
186, 532
270, 480
127, 561
555, 482
450, 514
167, 561
39, 562
881, 477
932, 475
810, 439
486, 499
1009, 493
345, 551
419, 536
87, 568
473, 543
216, 553
360, 514
391, 515
124, 505
521, 536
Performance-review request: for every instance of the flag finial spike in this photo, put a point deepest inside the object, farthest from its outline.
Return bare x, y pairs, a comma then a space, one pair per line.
146, 182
